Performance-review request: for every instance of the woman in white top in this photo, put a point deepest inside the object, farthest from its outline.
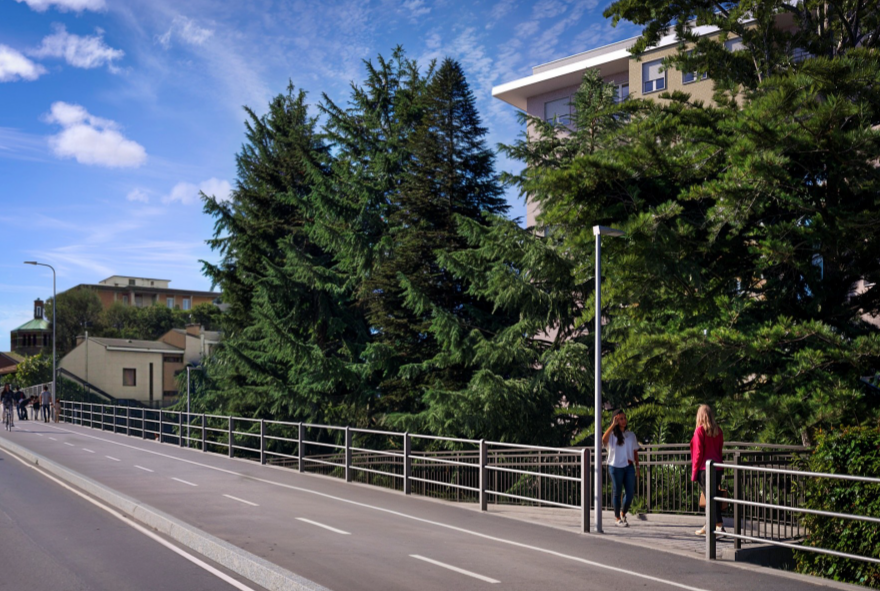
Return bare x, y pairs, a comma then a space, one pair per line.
623, 465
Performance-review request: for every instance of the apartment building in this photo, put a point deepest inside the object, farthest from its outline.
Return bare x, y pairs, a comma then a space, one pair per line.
143, 292
547, 92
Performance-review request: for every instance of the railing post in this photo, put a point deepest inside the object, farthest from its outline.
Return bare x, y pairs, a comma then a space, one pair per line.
262, 441
648, 477
407, 464
231, 439
128, 421
585, 490
710, 510
299, 448
348, 454
484, 474
161, 425
204, 433
180, 429
114, 419
143, 423
737, 512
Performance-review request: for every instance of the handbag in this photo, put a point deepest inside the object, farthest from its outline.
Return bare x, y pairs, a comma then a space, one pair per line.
722, 494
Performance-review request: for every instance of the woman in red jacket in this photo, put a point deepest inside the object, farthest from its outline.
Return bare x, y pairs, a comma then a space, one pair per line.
706, 444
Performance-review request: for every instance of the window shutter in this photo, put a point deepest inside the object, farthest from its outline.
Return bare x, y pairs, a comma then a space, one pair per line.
651, 70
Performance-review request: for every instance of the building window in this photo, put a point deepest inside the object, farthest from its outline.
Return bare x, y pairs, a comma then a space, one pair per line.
688, 77
621, 91
169, 302
131, 281
129, 377
558, 111
172, 359
139, 301
38, 312
186, 303
125, 300
734, 44
653, 78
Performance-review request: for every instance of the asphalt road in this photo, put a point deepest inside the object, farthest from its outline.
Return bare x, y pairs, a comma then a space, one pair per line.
351, 537
51, 539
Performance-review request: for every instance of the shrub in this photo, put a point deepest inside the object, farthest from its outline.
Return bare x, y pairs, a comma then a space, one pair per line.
854, 451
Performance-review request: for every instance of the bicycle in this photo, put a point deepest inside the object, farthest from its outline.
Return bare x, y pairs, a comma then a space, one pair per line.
7, 417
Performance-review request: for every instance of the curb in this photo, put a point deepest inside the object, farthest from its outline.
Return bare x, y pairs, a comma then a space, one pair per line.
241, 562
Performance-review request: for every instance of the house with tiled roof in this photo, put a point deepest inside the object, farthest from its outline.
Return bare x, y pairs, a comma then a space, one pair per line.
9, 363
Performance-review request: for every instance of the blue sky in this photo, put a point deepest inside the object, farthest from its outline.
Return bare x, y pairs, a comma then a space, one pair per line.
115, 113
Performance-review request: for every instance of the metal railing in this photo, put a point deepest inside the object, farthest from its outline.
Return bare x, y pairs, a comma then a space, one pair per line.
471, 471
773, 506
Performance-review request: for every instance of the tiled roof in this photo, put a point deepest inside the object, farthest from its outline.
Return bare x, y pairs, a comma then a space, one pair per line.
35, 324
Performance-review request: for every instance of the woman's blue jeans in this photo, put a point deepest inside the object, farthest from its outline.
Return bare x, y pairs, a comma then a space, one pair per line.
622, 479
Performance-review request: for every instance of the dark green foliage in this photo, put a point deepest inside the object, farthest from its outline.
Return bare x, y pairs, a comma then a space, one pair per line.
78, 310
853, 451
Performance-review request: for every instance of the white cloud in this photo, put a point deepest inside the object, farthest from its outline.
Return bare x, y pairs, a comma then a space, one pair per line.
65, 5
81, 52
92, 140
138, 195
14, 66
186, 30
189, 193
416, 8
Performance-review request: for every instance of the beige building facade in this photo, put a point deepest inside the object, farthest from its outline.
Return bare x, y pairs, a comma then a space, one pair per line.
127, 369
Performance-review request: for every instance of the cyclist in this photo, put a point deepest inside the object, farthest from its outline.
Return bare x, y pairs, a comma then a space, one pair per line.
7, 399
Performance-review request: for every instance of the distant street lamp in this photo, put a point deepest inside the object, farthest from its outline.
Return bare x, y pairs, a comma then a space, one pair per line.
599, 231
54, 318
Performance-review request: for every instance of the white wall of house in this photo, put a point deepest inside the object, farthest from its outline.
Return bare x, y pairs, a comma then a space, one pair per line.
105, 369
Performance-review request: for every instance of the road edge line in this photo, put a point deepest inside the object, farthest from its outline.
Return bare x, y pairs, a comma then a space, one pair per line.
250, 566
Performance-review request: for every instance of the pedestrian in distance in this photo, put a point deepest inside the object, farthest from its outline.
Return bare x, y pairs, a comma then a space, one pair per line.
46, 403
623, 465
35, 405
706, 444
21, 403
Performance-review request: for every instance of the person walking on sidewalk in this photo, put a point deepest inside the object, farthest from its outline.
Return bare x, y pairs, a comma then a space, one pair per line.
46, 403
706, 444
7, 402
623, 465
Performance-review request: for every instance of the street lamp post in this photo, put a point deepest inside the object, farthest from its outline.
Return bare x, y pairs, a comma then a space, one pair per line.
54, 319
598, 232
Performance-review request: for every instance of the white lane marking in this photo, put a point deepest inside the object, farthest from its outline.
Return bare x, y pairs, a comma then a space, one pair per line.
220, 575
38, 434
455, 568
477, 534
70, 444
112, 458
241, 500
333, 529
142, 468
88, 450
183, 481
53, 439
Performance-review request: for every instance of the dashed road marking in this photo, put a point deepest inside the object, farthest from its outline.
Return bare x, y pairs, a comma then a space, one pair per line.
455, 568
241, 500
183, 481
142, 468
333, 529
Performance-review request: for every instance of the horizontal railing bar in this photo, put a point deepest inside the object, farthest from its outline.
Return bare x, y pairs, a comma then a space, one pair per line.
800, 547
278, 454
277, 438
371, 471
438, 483
439, 461
564, 450
320, 444
798, 473
800, 510
308, 459
391, 454
376, 432
438, 438
527, 473
539, 501
331, 427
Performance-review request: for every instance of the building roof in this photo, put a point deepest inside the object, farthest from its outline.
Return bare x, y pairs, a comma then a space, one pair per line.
144, 289
210, 335
135, 345
130, 277
34, 324
569, 71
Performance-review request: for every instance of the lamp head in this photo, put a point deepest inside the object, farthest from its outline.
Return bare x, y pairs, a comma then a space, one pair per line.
30, 262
